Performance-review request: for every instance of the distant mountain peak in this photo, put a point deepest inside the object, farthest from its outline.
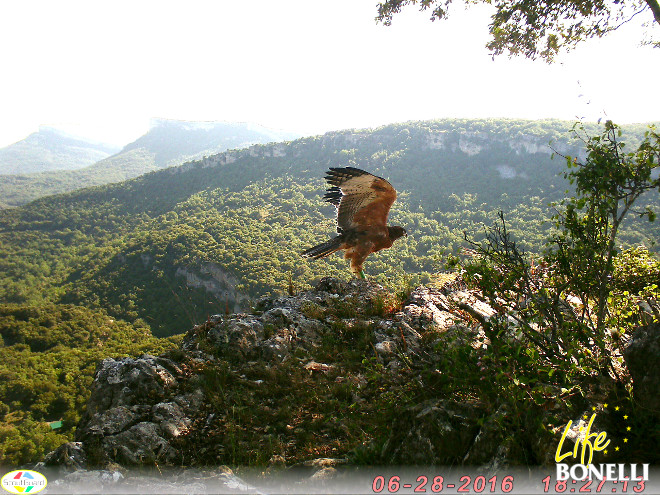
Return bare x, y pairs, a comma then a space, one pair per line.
168, 142
51, 149
208, 125
173, 141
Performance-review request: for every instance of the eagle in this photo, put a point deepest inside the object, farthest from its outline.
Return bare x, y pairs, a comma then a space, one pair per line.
363, 202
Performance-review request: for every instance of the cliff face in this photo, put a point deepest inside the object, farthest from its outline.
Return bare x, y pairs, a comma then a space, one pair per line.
344, 373
214, 280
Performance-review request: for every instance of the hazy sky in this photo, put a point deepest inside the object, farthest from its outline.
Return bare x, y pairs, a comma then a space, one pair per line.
102, 69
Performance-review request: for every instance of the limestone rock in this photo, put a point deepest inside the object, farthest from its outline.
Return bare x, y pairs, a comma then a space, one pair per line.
69, 457
436, 433
141, 409
134, 411
149, 411
643, 359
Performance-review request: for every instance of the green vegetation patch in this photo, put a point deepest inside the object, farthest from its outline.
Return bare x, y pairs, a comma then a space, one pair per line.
48, 356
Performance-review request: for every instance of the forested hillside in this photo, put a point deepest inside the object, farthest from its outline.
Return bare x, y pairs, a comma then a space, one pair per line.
48, 355
103, 271
176, 245
168, 143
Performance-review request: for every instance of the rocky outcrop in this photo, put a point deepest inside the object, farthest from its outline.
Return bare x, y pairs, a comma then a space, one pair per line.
643, 359
280, 325
141, 409
442, 431
136, 408
167, 410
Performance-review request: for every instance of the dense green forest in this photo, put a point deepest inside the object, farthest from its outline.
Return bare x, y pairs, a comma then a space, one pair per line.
98, 271
48, 355
245, 216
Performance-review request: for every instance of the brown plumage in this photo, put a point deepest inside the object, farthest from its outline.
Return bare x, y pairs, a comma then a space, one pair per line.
363, 202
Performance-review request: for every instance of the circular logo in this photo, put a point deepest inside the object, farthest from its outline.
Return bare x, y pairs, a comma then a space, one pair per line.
24, 481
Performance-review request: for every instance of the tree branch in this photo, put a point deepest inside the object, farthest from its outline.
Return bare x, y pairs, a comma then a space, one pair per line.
655, 8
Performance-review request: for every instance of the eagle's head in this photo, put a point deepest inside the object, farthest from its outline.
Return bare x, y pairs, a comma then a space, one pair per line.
396, 232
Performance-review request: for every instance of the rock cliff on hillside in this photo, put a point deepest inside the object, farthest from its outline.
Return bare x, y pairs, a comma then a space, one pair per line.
325, 377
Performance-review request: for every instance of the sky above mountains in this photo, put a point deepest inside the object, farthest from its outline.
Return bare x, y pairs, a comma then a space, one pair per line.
103, 69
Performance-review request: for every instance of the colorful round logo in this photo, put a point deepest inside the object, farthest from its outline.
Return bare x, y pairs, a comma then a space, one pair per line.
24, 481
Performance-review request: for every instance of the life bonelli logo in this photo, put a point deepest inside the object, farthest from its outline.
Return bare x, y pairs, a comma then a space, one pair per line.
586, 443
24, 481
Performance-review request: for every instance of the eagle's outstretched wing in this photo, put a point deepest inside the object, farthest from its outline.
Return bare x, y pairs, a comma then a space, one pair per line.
362, 199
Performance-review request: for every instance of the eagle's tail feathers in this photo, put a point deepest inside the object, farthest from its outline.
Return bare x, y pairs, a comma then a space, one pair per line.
323, 250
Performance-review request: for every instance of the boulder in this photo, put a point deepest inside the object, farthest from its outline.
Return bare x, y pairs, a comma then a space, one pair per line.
134, 412
432, 433
642, 357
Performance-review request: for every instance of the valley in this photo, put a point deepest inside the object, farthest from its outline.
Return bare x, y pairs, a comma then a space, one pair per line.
162, 252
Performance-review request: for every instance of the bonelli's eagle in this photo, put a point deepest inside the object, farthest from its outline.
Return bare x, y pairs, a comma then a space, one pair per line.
363, 202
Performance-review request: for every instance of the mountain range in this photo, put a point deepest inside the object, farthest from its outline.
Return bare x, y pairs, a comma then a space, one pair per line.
108, 271
51, 149
214, 234
48, 162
